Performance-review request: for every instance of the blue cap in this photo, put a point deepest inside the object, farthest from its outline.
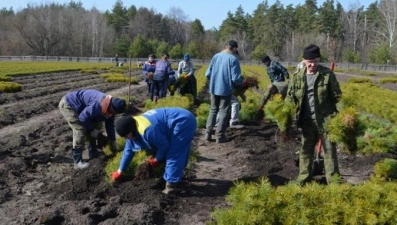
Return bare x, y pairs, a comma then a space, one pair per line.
186, 58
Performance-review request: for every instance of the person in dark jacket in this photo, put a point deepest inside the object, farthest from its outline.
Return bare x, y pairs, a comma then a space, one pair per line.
148, 69
161, 75
315, 90
82, 109
275, 71
167, 132
278, 76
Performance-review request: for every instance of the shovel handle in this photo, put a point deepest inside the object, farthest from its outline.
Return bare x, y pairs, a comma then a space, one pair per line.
319, 144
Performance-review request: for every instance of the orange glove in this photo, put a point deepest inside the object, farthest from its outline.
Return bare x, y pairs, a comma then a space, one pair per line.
152, 161
116, 176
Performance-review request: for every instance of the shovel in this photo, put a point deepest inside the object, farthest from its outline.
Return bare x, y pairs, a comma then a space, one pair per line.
318, 164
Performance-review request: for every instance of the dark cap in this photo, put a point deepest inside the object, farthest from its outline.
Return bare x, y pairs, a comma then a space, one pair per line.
265, 58
118, 105
233, 44
125, 125
311, 52
152, 55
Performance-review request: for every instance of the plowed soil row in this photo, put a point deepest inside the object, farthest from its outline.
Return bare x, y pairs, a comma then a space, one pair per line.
43, 84
18, 111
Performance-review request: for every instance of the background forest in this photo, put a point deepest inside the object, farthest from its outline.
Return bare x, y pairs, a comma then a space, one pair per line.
356, 34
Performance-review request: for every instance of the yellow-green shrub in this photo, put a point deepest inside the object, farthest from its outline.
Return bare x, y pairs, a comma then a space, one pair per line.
342, 128
185, 102
10, 87
116, 77
4, 78
386, 170
202, 114
388, 80
280, 111
343, 204
360, 80
89, 71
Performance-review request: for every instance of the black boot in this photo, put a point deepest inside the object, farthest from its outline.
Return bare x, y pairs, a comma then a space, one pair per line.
78, 159
92, 150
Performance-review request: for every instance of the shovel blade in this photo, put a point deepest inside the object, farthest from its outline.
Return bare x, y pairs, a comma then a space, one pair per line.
318, 166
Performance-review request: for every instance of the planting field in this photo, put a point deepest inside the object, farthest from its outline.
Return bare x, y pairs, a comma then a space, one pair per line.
38, 184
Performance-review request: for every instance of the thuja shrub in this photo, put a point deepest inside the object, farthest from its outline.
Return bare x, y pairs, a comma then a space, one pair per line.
360, 80
386, 170
312, 204
10, 87
280, 111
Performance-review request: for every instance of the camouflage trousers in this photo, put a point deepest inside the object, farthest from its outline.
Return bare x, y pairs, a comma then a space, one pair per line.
73, 120
310, 137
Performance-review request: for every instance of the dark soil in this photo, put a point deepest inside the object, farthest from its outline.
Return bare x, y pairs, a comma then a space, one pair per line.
38, 184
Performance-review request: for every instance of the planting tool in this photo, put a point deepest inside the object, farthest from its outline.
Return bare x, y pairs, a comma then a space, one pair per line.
318, 164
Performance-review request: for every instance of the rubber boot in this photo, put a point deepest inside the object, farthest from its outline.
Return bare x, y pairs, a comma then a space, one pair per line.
92, 150
170, 188
78, 159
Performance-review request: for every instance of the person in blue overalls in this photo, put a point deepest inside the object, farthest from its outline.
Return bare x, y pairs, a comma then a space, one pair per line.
167, 132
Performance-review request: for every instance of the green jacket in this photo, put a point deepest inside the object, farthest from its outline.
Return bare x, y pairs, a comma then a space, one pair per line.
327, 94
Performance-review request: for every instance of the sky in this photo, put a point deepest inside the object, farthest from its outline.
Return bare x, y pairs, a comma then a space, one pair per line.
211, 13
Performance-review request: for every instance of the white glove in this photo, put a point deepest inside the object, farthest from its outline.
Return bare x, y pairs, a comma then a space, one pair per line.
114, 146
94, 133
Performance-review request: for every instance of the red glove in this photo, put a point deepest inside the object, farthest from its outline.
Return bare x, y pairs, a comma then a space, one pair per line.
152, 161
116, 176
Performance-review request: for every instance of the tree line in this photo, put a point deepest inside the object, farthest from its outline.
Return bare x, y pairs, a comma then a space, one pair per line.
355, 35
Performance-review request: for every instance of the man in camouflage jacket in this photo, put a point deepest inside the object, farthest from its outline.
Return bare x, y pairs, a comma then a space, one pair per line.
315, 91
